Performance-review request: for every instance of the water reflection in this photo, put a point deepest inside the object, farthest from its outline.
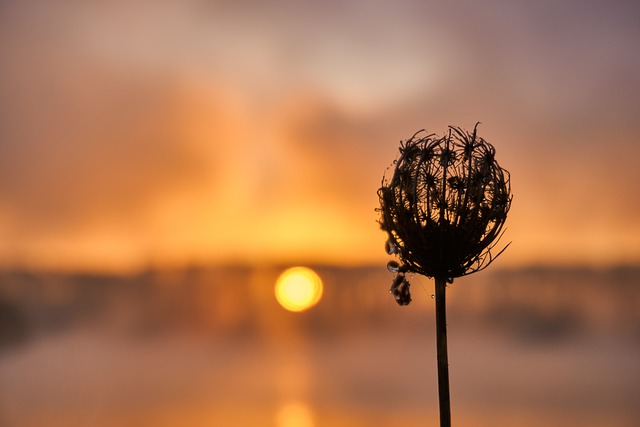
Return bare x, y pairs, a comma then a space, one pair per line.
213, 347
294, 414
294, 374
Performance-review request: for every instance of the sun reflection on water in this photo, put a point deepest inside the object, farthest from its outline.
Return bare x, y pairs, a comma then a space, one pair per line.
294, 414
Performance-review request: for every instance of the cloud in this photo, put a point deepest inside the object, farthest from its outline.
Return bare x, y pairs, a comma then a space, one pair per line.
228, 128
79, 144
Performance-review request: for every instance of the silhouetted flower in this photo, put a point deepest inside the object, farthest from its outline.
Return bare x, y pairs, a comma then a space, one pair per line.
444, 207
443, 210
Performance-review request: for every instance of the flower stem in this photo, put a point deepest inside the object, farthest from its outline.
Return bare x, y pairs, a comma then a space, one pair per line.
443, 358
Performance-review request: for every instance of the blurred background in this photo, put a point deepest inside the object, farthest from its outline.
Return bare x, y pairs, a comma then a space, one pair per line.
163, 162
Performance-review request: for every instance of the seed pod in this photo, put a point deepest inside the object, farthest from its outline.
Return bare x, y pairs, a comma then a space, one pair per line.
400, 290
393, 267
445, 205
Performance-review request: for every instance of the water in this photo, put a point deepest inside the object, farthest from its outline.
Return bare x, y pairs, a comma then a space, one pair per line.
188, 349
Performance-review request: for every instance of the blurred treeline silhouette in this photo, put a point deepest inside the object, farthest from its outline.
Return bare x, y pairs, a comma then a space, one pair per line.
536, 305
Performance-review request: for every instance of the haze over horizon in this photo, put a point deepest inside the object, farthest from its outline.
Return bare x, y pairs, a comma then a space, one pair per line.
176, 132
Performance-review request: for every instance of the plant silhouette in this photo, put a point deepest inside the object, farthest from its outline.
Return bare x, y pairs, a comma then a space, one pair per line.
443, 209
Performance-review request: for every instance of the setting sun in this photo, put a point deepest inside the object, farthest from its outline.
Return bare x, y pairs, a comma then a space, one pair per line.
298, 289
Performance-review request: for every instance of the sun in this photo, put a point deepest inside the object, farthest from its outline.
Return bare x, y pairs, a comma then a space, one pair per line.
298, 289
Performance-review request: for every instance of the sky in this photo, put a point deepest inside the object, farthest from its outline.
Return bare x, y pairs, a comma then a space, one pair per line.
152, 133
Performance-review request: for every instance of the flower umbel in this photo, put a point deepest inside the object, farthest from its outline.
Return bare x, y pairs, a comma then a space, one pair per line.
444, 207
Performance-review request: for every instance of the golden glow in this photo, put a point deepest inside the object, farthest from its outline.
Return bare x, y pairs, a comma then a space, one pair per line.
233, 149
298, 289
294, 414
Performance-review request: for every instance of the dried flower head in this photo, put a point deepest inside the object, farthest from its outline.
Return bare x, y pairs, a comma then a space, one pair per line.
443, 208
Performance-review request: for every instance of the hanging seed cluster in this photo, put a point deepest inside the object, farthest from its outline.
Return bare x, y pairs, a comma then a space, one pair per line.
443, 208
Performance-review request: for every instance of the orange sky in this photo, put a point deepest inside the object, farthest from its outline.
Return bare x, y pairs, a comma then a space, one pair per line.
153, 132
